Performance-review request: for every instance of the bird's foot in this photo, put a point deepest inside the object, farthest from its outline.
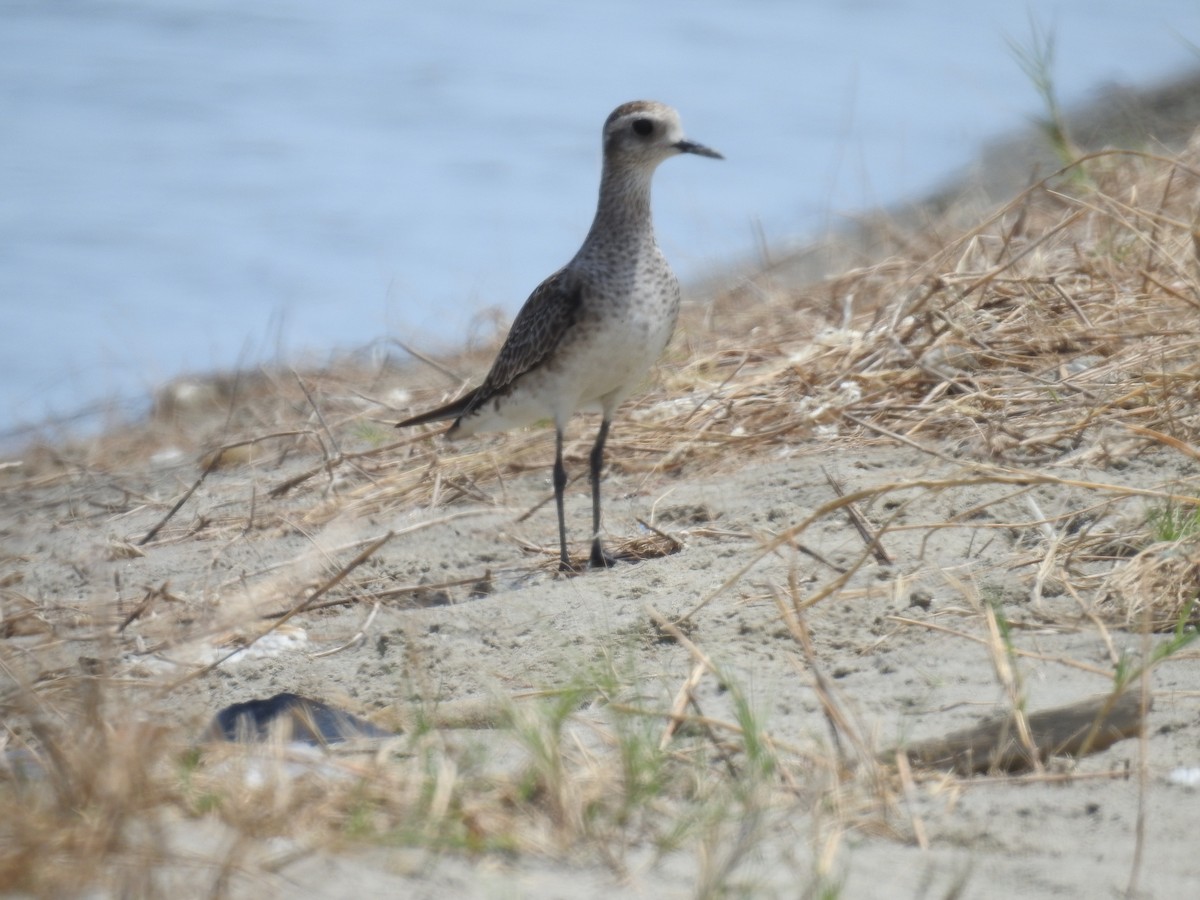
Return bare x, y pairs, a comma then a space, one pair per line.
600, 559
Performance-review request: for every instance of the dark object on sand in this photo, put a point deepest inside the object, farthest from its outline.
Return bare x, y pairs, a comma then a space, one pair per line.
296, 718
995, 745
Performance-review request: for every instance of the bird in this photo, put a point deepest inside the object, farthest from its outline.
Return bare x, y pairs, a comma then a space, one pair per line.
588, 334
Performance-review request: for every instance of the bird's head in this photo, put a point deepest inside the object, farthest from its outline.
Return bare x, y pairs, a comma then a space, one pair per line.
645, 132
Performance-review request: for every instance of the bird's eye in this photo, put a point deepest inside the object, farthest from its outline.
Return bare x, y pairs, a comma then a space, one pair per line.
643, 127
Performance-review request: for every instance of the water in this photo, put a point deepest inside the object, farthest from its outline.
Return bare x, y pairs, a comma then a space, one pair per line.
195, 184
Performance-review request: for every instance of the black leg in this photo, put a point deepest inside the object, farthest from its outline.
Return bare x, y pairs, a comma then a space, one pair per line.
599, 559
560, 484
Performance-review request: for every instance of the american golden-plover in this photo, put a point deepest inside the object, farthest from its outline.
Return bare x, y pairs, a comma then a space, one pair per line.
586, 337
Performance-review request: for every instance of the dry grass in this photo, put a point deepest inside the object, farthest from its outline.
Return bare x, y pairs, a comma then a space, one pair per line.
1062, 333
84, 794
1159, 586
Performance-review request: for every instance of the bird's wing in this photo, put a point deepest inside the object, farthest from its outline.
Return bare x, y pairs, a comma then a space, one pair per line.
536, 332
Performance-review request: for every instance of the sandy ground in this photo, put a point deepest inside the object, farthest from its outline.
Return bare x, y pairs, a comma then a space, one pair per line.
898, 678
488, 625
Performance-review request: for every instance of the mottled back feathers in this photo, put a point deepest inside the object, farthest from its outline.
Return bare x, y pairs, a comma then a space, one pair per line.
535, 334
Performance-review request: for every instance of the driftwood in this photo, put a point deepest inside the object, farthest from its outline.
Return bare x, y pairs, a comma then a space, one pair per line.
996, 744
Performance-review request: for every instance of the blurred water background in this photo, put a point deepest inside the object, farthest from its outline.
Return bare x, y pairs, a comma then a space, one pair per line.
188, 185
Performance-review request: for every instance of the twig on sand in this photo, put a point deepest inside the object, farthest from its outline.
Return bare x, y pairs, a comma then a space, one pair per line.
686, 696
872, 539
358, 638
1088, 726
215, 459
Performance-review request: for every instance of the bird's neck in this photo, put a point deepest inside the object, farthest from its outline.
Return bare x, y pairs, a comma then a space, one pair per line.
623, 213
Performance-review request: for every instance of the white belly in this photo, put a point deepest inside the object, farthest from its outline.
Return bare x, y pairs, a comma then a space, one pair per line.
602, 362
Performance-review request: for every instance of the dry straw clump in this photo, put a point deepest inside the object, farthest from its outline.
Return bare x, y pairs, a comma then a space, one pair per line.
1159, 586
1060, 331
84, 787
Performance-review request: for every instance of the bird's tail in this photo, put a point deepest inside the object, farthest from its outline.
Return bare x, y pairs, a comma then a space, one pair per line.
452, 410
